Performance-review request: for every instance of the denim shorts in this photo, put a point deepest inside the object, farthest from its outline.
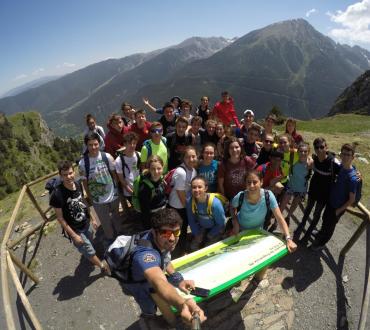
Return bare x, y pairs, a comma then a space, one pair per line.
86, 249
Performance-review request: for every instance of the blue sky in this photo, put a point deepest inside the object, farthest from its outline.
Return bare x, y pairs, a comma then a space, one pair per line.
48, 37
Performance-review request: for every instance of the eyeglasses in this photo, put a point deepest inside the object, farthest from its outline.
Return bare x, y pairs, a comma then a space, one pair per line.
322, 147
167, 233
269, 141
156, 130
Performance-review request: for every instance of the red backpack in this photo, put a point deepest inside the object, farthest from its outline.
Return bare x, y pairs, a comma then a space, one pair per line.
168, 180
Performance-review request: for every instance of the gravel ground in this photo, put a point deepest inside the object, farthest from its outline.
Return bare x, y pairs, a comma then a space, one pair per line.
72, 295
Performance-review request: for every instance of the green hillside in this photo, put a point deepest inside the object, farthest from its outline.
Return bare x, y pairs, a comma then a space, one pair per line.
28, 150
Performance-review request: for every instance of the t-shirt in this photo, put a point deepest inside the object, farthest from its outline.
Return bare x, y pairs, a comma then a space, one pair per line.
251, 149
176, 146
263, 157
252, 216
209, 172
202, 220
234, 175
206, 138
75, 212
157, 149
268, 173
144, 258
99, 181
131, 170
298, 179
168, 126
346, 183
181, 180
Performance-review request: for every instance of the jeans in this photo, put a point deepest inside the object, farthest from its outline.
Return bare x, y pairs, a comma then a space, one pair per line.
315, 219
86, 249
329, 222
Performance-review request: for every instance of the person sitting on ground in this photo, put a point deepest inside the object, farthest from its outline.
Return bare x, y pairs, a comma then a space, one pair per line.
233, 168
250, 208
92, 127
251, 147
264, 155
181, 183
128, 114
152, 197
209, 134
268, 127
114, 138
209, 166
175, 102
196, 129
248, 120
342, 195
203, 110
224, 110
272, 173
177, 143
186, 107
290, 128
128, 166
286, 146
141, 127
149, 265
206, 215
155, 146
99, 179
298, 179
73, 214
325, 169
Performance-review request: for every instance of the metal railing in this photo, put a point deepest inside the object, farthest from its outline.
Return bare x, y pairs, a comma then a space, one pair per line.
9, 260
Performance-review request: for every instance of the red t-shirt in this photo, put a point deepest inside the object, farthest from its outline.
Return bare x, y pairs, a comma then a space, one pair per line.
234, 175
143, 133
268, 173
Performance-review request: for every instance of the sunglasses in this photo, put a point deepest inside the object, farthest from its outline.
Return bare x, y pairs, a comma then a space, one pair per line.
167, 233
156, 130
269, 141
320, 147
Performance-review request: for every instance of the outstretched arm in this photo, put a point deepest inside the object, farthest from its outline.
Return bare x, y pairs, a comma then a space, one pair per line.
148, 105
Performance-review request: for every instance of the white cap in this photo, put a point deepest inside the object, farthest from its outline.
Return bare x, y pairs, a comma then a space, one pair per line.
248, 112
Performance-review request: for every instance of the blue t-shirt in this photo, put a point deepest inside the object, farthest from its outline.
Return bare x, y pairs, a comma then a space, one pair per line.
298, 180
160, 111
209, 172
202, 220
252, 216
346, 183
147, 257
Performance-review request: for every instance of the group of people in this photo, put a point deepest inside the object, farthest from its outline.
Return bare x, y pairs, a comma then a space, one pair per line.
197, 177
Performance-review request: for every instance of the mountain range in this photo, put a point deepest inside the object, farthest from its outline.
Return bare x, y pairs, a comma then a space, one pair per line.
288, 64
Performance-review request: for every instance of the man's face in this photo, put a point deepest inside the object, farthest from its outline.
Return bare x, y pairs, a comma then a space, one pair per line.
131, 146
195, 126
140, 119
204, 101
127, 111
67, 176
321, 149
91, 124
211, 128
248, 119
347, 157
169, 114
225, 98
93, 147
252, 136
167, 237
181, 128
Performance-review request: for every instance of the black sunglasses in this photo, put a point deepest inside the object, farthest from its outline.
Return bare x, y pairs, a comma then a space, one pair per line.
320, 147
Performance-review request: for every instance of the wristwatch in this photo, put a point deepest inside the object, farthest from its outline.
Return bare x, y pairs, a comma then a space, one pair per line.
287, 238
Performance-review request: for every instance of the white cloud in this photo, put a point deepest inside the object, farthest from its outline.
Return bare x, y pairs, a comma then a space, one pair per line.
354, 23
38, 71
65, 65
310, 12
20, 77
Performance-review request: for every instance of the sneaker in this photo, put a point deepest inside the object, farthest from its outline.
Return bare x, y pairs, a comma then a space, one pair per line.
105, 269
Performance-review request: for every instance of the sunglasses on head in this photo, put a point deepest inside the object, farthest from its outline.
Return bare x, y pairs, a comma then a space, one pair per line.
320, 147
166, 233
156, 130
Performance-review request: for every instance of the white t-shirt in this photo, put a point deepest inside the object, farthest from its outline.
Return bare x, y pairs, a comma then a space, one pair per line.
181, 180
100, 182
131, 170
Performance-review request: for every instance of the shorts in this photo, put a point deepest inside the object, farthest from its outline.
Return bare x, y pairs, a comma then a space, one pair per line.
301, 195
86, 249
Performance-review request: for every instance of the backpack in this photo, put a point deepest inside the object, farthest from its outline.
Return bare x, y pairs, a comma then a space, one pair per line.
148, 145
121, 156
210, 197
267, 200
139, 180
52, 183
87, 164
168, 180
119, 256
